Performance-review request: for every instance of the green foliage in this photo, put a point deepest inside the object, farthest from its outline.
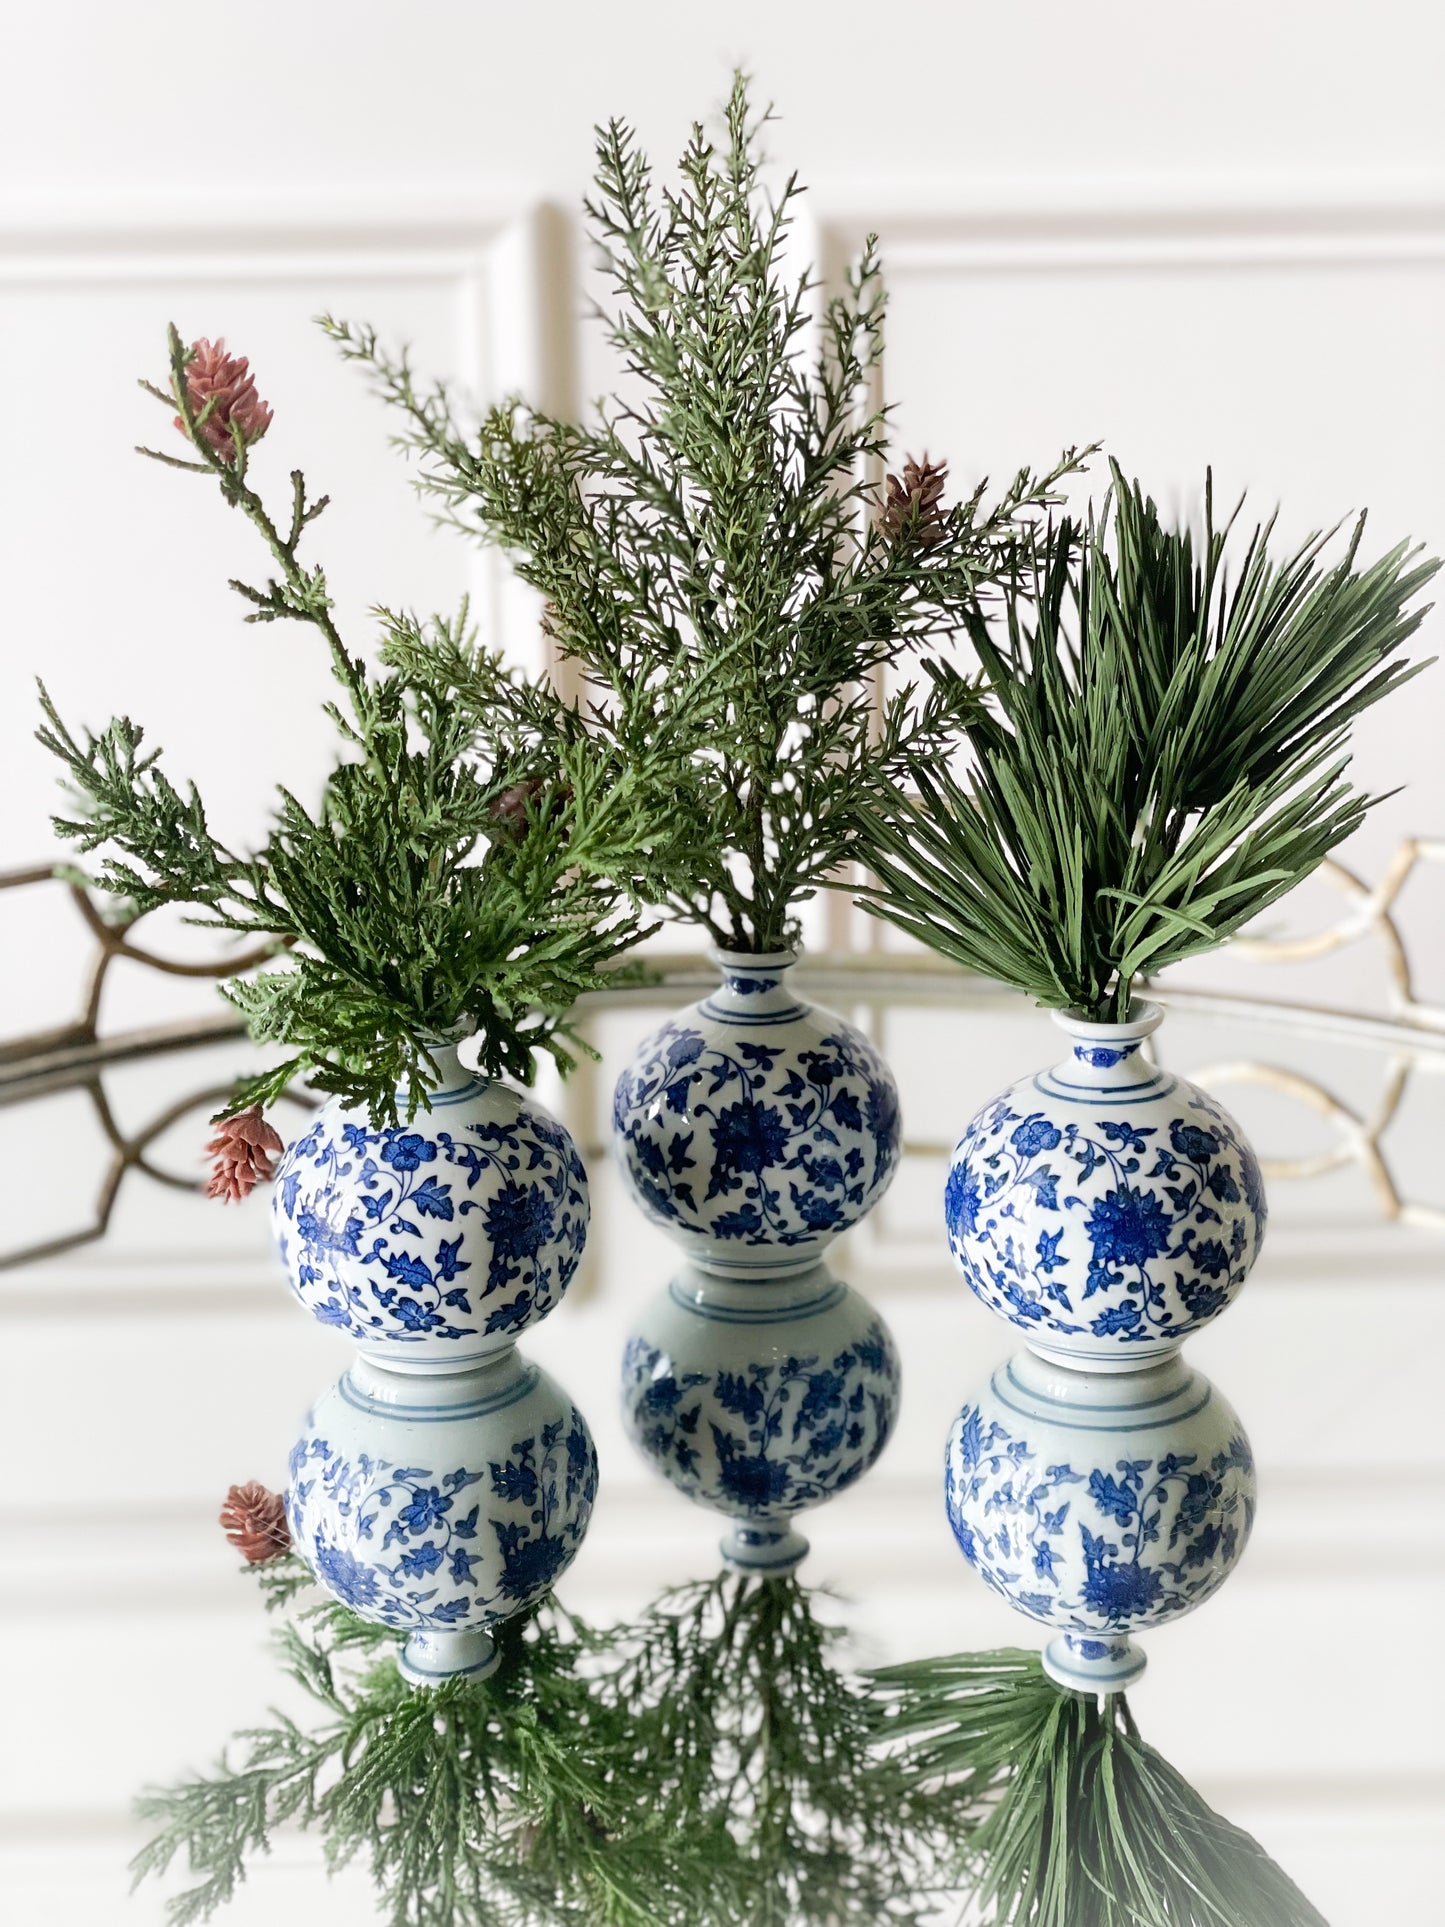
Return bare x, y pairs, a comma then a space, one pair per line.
715, 550
429, 892
744, 1718
505, 1802
1159, 757
1062, 1815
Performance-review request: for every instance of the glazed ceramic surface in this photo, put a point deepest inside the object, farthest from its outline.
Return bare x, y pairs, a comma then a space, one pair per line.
1099, 1503
1105, 1207
435, 1242
442, 1504
759, 1399
755, 1127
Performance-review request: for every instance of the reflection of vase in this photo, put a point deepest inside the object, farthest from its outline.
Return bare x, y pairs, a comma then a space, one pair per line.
1105, 1207
433, 1243
754, 1127
1099, 1503
759, 1399
442, 1503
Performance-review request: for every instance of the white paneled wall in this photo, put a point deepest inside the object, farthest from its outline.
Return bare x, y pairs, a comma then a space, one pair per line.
1204, 235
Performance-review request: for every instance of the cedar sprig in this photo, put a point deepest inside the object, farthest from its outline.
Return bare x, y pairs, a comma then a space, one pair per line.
1160, 755
716, 553
746, 1715
1059, 1813
505, 1802
407, 904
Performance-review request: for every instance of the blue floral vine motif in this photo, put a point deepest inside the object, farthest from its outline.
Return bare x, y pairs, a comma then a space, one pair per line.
1111, 1228
384, 1238
408, 1546
1156, 1535
769, 1438
754, 1142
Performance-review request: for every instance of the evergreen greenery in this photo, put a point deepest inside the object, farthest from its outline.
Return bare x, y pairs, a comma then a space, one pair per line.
1063, 1816
1159, 756
746, 1718
430, 891
506, 1802
718, 557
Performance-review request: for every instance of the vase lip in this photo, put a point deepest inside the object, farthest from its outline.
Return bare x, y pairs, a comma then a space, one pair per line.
429, 1037
1147, 1018
752, 959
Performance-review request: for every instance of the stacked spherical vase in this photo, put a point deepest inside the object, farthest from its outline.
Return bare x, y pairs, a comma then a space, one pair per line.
443, 1483
756, 1129
1097, 1483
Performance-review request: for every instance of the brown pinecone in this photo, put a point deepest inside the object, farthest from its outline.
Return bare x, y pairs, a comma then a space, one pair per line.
254, 1520
226, 381
244, 1149
913, 509
509, 811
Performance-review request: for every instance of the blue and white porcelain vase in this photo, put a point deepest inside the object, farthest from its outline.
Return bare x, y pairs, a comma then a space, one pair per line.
1099, 1504
760, 1398
754, 1127
1105, 1207
442, 1503
433, 1243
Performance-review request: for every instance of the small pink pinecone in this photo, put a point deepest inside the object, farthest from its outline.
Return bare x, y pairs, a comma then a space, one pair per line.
214, 376
244, 1150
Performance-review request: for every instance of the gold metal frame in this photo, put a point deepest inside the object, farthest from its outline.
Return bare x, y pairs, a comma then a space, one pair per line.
1408, 1032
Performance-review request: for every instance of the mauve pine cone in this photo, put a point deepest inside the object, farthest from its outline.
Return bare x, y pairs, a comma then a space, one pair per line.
244, 1151
913, 508
511, 810
254, 1520
226, 380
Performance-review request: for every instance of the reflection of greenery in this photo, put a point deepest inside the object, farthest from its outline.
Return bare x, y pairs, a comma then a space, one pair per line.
745, 1717
710, 1765
430, 891
1159, 756
516, 1799
1061, 1815
717, 557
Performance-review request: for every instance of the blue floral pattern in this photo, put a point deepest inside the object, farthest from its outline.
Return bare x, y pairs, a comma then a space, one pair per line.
462, 1227
418, 1547
765, 1439
1124, 1226
1096, 1547
756, 1136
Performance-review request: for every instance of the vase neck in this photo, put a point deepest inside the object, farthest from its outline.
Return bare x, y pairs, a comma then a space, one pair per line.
1106, 1058
453, 1081
754, 989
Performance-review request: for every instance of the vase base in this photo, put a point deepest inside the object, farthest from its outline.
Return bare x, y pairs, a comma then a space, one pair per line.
1093, 1665
430, 1659
765, 1550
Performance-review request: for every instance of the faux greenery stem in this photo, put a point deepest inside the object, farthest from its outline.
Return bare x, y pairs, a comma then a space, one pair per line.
473, 865
718, 560
1160, 754
1062, 1815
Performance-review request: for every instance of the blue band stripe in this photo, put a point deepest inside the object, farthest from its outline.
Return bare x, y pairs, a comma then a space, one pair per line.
763, 1315
1132, 1405
440, 1414
710, 1009
1101, 1100
1095, 1425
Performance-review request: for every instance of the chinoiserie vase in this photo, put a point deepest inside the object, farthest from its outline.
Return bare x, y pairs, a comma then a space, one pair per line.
759, 1398
442, 1503
754, 1127
1099, 1504
433, 1243
1105, 1207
